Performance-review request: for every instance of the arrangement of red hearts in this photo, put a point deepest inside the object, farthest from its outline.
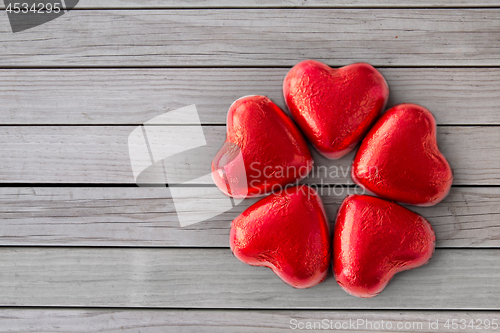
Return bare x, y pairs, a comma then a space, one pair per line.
398, 161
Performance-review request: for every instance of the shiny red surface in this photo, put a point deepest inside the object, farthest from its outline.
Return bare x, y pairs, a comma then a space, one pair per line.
287, 232
375, 239
399, 159
273, 150
334, 107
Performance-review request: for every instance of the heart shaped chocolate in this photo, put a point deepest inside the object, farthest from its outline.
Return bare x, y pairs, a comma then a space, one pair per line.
399, 159
273, 151
287, 232
334, 108
375, 239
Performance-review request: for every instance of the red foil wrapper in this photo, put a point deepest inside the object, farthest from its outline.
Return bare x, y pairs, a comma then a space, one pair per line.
264, 150
287, 232
334, 108
375, 239
399, 159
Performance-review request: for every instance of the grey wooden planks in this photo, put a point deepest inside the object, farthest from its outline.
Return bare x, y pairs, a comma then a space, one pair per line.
168, 4
455, 279
229, 321
133, 96
258, 37
213, 278
99, 154
128, 217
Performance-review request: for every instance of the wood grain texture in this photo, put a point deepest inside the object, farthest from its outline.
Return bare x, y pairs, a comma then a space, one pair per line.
214, 278
133, 96
168, 4
100, 154
258, 37
227, 321
211, 278
129, 217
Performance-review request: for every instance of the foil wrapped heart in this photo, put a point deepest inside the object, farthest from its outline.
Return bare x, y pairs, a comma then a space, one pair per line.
375, 239
399, 158
263, 152
334, 108
288, 232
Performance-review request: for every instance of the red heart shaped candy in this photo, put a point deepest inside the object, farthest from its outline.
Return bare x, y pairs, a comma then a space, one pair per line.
375, 239
273, 150
334, 107
399, 159
287, 232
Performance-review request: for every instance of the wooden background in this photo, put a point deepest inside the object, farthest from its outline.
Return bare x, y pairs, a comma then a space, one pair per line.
83, 249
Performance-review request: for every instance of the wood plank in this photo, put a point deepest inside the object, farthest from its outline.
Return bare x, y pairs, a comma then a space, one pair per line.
53, 216
133, 96
230, 321
214, 278
99, 154
259, 37
169, 4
